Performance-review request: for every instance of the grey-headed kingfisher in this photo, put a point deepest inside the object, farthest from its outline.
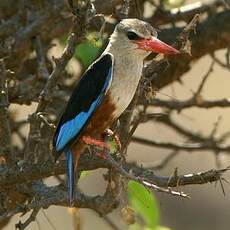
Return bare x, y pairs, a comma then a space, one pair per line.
105, 90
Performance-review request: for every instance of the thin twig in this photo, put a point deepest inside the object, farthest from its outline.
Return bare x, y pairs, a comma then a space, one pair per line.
201, 86
179, 105
31, 218
141, 180
76, 36
110, 223
48, 220
182, 146
56, 195
5, 131
162, 163
218, 61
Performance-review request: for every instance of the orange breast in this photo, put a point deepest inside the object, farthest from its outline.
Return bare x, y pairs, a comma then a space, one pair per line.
102, 117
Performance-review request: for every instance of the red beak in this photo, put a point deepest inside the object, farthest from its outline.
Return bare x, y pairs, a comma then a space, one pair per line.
157, 46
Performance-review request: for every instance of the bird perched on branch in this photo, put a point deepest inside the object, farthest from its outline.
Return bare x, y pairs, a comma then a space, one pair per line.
105, 91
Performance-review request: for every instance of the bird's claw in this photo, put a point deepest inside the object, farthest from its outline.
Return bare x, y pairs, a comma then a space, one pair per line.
98, 143
110, 143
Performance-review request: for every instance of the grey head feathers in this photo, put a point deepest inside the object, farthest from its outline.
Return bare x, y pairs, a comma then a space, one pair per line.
127, 31
141, 28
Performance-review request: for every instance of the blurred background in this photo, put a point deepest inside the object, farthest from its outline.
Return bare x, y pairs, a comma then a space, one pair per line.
208, 208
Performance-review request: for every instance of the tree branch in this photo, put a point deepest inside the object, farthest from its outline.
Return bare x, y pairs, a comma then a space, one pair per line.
56, 195
192, 102
211, 34
76, 36
211, 146
5, 131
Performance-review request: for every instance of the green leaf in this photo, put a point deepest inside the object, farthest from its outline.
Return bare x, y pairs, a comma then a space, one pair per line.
113, 146
63, 39
162, 228
157, 228
144, 203
84, 174
87, 51
170, 4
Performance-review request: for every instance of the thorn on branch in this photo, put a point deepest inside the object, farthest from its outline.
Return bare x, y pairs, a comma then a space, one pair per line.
143, 180
183, 38
45, 120
201, 86
184, 35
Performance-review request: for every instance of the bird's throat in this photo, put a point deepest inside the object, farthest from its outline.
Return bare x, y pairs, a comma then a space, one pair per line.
126, 76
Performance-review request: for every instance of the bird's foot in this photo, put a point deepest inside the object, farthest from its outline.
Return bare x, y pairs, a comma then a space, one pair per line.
95, 142
102, 155
110, 144
99, 144
112, 138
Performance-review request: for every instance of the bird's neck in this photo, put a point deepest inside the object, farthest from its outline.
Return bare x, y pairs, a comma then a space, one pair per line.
127, 65
127, 61
127, 72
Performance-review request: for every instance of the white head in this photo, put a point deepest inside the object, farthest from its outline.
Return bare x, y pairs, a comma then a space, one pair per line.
138, 38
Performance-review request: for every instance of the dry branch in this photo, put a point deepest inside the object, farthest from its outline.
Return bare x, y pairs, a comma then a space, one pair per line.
56, 195
28, 28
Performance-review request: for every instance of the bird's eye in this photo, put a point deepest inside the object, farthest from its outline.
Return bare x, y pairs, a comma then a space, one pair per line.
132, 36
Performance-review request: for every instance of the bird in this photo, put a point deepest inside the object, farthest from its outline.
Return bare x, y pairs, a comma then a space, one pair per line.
104, 91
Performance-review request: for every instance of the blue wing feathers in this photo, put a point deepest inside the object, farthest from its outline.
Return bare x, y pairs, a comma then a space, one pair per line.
71, 128
70, 175
84, 101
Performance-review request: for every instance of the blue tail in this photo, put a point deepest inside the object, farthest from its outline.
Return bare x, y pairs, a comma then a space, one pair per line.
70, 175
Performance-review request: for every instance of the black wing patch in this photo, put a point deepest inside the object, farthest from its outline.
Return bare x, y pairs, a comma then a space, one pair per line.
86, 97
